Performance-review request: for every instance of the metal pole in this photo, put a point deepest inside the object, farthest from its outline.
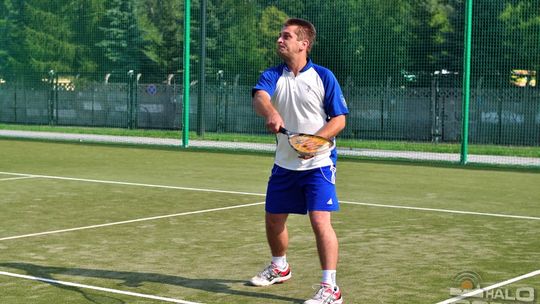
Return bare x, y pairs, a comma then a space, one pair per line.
56, 89
466, 82
202, 73
187, 38
50, 101
129, 111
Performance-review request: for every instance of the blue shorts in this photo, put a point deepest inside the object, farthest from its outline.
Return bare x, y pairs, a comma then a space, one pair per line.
292, 191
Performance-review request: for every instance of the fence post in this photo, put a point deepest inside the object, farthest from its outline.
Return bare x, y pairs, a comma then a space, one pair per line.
187, 38
130, 99
57, 88
202, 72
15, 100
466, 82
136, 101
52, 103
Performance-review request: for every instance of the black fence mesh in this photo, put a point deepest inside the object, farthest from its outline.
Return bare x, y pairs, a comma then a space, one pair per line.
118, 63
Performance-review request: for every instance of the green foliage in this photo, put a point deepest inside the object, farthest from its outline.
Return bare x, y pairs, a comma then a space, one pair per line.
13, 50
3, 37
369, 46
240, 53
122, 40
488, 42
86, 19
160, 24
270, 24
520, 19
432, 35
28, 45
366, 42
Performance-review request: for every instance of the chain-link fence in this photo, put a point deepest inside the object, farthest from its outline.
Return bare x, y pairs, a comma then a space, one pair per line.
118, 63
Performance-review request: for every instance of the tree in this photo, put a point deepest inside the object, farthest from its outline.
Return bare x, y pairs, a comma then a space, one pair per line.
271, 21
240, 52
433, 47
161, 24
48, 35
37, 37
84, 22
366, 41
293, 8
122, 43
487, 41
213, 31
521, 35
4, 55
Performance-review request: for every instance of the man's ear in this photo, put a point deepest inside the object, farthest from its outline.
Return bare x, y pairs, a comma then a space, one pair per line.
305, 44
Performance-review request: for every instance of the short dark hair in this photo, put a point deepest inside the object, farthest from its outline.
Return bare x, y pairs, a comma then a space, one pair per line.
306, 30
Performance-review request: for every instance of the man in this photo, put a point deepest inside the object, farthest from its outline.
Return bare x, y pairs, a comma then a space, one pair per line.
304, 97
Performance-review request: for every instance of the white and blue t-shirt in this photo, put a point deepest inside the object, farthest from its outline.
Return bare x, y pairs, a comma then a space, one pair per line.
305, 102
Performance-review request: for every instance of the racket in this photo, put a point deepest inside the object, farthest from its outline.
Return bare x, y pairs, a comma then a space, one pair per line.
307, 144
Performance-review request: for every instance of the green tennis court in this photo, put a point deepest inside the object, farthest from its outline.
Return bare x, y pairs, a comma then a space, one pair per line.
119, 224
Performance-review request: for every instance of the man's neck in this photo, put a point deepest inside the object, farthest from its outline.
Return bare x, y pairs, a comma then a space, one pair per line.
297, 64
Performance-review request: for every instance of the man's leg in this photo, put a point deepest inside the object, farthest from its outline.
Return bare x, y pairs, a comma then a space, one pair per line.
277, 234
327, 242
278, 239
327, 246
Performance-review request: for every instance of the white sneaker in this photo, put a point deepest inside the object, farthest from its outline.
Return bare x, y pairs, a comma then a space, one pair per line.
271, 275
326, 295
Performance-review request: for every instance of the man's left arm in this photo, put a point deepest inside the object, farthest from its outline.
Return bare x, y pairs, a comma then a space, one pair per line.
333, 127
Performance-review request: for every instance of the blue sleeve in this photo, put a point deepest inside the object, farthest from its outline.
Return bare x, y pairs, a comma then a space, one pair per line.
334, 101
268, 80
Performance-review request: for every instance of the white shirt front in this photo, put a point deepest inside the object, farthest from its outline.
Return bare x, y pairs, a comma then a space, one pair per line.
305, 102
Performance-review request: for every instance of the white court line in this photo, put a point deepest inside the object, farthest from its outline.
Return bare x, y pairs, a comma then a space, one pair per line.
482, 290
521, 217
131, 184
229, 192
109, 290
15, 178
129, 221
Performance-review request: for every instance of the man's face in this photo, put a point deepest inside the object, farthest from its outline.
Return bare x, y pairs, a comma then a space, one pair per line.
288, 44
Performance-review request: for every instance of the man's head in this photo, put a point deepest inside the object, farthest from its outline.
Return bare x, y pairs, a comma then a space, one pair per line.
297, 35
305, 30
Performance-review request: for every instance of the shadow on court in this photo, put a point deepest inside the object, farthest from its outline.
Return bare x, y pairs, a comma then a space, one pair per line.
134, 279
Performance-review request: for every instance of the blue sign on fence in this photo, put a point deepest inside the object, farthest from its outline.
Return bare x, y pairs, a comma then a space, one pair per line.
151, 89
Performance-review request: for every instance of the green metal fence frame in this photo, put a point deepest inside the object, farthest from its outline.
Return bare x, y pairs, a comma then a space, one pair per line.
187, 44
466, 82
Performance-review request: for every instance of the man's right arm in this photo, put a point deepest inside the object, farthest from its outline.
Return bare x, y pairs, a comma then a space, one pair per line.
263, 107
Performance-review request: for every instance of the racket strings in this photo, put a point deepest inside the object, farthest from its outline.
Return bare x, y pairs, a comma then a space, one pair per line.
309, 143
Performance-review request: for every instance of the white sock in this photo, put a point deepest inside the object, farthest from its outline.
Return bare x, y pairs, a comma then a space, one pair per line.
329, 277
280, 262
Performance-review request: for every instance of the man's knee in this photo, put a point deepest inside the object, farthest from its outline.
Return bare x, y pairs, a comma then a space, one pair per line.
320, 220
276, 221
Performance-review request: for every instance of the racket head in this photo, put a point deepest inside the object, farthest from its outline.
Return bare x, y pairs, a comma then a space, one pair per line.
310, 145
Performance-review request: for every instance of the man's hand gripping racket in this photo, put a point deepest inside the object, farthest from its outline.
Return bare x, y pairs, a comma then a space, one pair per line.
307, 145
